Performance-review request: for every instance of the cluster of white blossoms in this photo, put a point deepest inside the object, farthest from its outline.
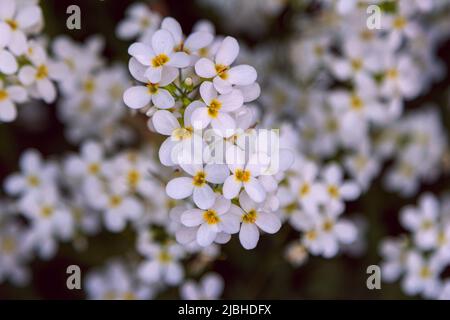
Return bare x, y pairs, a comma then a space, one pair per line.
202, 138
26, 70
421, 255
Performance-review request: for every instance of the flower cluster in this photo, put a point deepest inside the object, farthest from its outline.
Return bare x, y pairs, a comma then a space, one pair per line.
421, 255
26, 70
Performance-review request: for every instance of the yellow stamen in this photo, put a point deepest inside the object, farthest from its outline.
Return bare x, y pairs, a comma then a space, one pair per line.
250, 217
211, 217
242, 175
222, 71
42, 72
199, 179
160, 60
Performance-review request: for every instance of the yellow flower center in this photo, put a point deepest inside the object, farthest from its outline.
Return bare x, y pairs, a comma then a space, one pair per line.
199, 179
42, 72
211, 217
333, 191
427, 224
311, 235
160, 60
328, 225
242, 175
47, 211
250, 217
399, 23
89, 86
8, 245
304, 190
182, 133
222, 71
115, 201
133, 178
33, 181
425, 272
152, 88
356, 103
93, 168
392, 73
203, 52
12, 23
357, 64
214, 108
164, 257
3, 95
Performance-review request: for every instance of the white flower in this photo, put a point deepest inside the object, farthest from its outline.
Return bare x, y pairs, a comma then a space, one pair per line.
20, 20
422, 275
34, 175
337, 190
140, 21
8, 97
116, 282
160, 56
306, 188
253, 217
224, 76
212, 221
140, 96
422, 221
41, 74
8, 63
197, 185
217, 109
162, 264
89, 164
394, 253
244, 174
117, 205
210, 287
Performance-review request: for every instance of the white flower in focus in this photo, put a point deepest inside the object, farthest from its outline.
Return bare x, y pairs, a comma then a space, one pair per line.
197, 185
160, 57
217, 109
224, 76
9, 96
212, 221
253, 217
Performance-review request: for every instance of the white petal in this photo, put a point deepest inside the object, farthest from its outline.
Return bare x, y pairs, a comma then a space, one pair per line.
225, 124
207, 92
5, 34
154, 74
137, 97
141, 52
246, 202
137, 70
205, 68
163, 99
255, 190
172, 25
17, 93
206, 235
231, 187
165, 152
27, 75
162, 42
47, 90
242, 75
228, 51
198, 40
222, 86
165, 122
179, 188
249, 235
192, 217
216, 173
8, 64
200, 118
8, 111
204, 197
29, 17
231, 101
230, 223
179, 60
7, 9
268, 222
350, 191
